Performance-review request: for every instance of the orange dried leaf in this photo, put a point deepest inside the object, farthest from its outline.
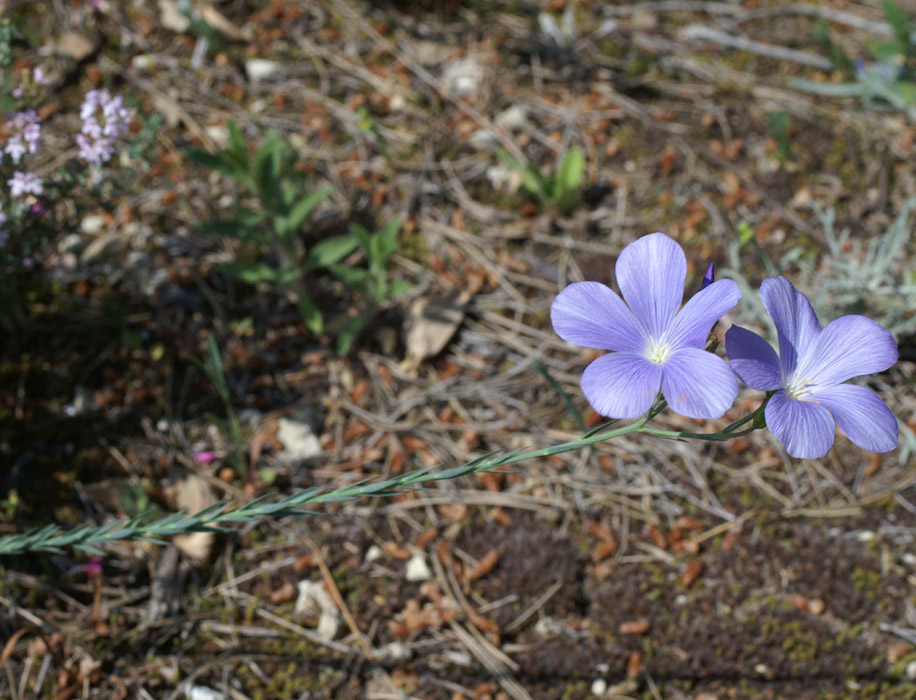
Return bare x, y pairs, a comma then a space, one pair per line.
396, 551
486, 564
640, 626
456, 512
634, 665
426, 537
694, 569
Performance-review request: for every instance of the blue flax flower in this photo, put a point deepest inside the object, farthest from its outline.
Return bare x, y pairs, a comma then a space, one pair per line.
655, 345
808, 376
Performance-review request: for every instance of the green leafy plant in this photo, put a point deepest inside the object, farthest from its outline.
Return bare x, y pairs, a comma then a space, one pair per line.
369, 126
231, 427
888, 80
559, 190
284, 206
778, 124
372, 283
902, 49
838, 57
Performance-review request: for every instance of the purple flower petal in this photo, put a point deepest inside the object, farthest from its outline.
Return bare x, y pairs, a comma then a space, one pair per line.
709, 277
698, 384
592, 315
796, 322
864, 417
806, 429
621, 385
847, 347
692, 324
651, 273
753, 359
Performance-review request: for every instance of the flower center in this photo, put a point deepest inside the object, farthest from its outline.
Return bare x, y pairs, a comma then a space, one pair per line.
798, 388
658, 352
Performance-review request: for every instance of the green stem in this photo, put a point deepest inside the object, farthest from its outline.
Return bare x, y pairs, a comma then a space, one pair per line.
677, 435
53, 538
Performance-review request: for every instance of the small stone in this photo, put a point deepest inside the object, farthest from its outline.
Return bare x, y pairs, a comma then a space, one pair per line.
500, 175
418, 569
513, 118
143, 61
219, 134
599, 687
299, 441
260, 68
313, 598
462, 78
70, 243
373, 553
482, 139
202, 692
395, 652
816, 606
250, 417
911, 670
92, 224
898, 651
171, 17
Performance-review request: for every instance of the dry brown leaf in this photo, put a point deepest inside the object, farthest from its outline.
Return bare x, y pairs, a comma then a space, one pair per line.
456, 512
634, 665
604, 550
640, 626
694, 569
486, 564
396, 551
432, 324
215, 19
192, 495
283, 594
425, 537
74, 45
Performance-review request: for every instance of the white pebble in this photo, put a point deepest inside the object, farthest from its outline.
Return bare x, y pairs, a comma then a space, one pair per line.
418, 569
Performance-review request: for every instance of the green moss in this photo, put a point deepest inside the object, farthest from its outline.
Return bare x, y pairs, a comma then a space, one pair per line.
866, 580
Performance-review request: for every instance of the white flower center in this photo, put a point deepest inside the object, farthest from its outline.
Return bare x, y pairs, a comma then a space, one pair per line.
658, 352
798, 388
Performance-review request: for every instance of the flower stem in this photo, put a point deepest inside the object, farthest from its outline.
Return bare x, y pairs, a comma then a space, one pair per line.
90, 538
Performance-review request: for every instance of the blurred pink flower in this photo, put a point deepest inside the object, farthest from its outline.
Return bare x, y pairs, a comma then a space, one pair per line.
204, 457
93, 567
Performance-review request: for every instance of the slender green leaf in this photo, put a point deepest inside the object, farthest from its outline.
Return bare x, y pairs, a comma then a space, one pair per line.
399, 288
362, 235
251, 272
907, 91
349, 333
388, 240
303, 208
232, 229
220, 164
885, 51
534, 183
310, 313
353, 277
238, 149
899, 22
330, 251
571, 170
